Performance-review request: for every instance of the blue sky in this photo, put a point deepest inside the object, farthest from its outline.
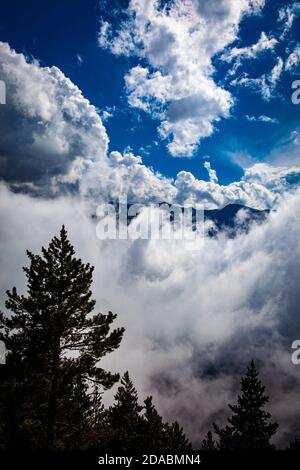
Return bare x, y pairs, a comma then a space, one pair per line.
66, 35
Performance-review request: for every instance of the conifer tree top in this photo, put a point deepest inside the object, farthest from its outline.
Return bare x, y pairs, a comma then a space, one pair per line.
249, 426
54, 338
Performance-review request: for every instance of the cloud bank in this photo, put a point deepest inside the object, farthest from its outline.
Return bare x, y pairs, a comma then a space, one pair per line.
193, 319
53, 142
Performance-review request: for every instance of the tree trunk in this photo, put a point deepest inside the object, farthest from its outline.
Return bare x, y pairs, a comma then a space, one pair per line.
52, 404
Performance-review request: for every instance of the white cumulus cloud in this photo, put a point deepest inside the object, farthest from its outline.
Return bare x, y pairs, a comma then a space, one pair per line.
176, 44
46, 124
54, 140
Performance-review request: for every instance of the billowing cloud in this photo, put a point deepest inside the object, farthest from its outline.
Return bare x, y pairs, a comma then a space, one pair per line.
213, 178
261, 187
53, 140
125, 175
211, 311
46, 124
174, 80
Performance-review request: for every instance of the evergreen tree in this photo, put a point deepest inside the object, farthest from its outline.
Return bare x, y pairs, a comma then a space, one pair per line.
154, 430
177, 439
132, 430
161, 436
208, 443
55, 343
97, 416
295, 444
73, 413
249, 427
124, 418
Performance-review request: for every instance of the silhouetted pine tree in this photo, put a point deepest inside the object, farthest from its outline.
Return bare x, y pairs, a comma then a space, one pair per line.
130, 429
99, 430
295, 444
123, 418
208, 443
97, 416
177, 441
55, 343
154, 430
249, 427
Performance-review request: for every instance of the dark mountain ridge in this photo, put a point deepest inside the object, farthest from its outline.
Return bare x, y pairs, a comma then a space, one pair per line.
233, 218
